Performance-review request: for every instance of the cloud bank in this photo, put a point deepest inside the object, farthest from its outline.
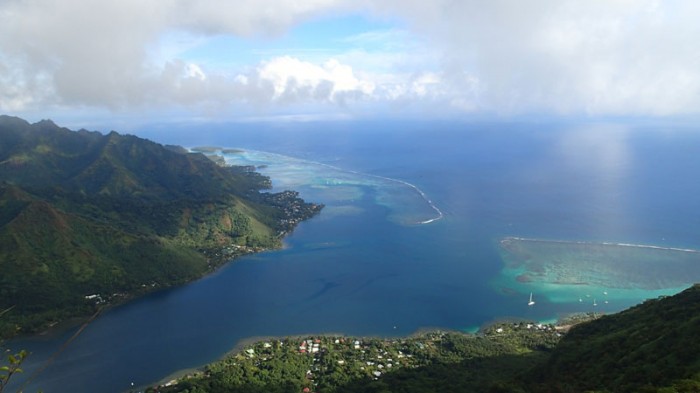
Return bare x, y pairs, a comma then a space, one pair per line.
615, 57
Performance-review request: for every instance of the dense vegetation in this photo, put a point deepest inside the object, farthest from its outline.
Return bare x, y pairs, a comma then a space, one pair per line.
342, 364
88, 219
652, 347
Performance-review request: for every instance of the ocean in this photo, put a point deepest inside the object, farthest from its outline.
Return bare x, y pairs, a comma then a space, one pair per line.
410, 238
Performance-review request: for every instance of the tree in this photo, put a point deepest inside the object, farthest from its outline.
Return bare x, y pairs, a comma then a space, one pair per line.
14, 361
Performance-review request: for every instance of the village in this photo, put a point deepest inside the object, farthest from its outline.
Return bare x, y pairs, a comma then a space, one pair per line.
319, 363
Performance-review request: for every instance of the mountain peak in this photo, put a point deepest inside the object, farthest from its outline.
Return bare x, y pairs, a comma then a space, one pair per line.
46, 122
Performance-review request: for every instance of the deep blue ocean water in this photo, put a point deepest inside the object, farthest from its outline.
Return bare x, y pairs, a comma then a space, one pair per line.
365, 266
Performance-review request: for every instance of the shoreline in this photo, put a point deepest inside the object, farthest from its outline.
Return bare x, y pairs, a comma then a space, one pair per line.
237, 348
588, 243
216, 258
562, 324
57, 328
439, 214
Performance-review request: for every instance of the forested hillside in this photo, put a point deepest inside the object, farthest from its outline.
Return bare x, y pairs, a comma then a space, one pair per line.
88, 219
652, 347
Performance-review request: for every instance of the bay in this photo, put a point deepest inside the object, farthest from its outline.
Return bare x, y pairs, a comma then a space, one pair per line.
366, 266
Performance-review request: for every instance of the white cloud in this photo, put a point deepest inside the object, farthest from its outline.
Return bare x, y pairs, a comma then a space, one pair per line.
94, 52
568, 56
508, 56
194, 71
291, 77
244, 17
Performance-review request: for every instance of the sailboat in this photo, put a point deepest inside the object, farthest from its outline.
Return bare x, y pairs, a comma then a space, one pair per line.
531, 302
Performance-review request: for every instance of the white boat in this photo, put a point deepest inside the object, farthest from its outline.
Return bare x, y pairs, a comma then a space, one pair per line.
531, 302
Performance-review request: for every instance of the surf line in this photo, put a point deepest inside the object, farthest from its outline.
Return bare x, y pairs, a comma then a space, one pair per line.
414, 187
631, 245
438, 212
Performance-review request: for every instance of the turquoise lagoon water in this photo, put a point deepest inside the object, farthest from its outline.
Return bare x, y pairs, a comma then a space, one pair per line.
409, 239
340, 188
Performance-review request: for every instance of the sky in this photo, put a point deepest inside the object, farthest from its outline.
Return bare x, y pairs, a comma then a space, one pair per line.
138, 61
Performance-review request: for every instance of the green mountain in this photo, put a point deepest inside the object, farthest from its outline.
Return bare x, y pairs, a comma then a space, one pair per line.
652, 347
88, 219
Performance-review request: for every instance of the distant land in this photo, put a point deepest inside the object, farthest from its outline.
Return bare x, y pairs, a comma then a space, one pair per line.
651, 347
88, 220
